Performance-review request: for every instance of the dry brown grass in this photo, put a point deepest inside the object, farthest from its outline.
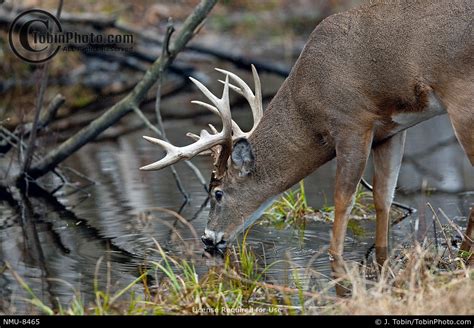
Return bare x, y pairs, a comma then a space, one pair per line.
415, 286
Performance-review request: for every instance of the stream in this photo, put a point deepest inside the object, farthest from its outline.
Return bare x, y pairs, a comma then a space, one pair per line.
56, 243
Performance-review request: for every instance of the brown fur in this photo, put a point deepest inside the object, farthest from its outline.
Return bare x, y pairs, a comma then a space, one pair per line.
358, 71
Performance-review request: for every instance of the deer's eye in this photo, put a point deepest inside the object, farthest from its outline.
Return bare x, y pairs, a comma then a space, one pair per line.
218, 194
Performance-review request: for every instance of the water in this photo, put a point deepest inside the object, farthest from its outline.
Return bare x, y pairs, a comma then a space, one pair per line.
107, 230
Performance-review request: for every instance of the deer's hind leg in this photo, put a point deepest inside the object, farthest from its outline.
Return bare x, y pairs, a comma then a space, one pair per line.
461, 113
387, 161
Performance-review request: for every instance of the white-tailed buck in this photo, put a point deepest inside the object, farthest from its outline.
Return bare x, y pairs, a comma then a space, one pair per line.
363, 78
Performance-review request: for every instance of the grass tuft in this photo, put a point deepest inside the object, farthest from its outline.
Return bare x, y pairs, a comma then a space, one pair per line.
292, 211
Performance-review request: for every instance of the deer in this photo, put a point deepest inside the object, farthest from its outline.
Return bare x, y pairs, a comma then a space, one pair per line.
363, 78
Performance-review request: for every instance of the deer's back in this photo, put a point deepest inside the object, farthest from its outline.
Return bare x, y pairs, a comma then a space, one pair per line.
380, 53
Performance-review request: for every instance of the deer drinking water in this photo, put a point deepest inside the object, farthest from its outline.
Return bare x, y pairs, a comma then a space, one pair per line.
363, 78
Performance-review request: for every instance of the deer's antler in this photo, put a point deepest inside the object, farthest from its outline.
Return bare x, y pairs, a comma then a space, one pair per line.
254, 100
205, 140
218, 143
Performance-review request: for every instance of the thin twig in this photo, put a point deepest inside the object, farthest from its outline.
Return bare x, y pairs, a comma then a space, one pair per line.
410, 210
46, 117
147, 121
178, 217
446, 238
38, 106
198, 174
264, 285
201, 208
15, 141
165, 52
467, 237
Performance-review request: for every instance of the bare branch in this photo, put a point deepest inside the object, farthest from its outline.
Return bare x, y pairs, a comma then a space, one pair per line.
126, 105
165, 52
38, 106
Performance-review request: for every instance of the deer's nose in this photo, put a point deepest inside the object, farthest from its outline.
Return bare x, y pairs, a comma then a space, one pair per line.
213, 239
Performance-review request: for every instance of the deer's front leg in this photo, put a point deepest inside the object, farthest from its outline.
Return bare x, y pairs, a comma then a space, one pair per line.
351, 155
387, 161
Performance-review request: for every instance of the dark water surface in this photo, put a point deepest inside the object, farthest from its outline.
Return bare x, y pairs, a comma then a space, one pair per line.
56, 249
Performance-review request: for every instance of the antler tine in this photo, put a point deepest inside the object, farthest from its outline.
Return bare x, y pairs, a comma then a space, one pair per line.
225, 111
193, 136
213, 128
237, 132
242, 85
218, 102
258, 94
258, 88
206, 105
172, 155
221, 105
254, 100
233, 87
205, 140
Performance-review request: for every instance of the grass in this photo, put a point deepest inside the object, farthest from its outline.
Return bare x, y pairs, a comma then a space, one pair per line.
416, 281
292, 211
415, 285
172, 286
363, 205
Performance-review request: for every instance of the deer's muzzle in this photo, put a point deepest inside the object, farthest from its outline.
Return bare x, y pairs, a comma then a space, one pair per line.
213, 240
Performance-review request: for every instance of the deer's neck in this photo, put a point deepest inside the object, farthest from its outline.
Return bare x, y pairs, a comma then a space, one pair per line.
288, 143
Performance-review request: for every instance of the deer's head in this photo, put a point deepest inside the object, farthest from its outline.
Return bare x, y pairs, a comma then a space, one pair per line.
234, 188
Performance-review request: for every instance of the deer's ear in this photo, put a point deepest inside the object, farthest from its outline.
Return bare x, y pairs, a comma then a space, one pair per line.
242, 157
